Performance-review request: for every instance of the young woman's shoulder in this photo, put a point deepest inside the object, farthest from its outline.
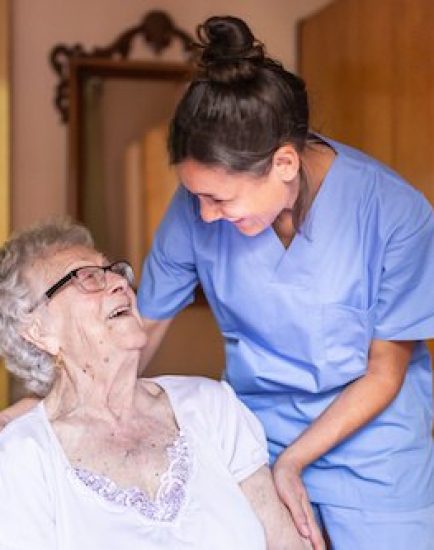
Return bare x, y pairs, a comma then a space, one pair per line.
378, 187
375, 171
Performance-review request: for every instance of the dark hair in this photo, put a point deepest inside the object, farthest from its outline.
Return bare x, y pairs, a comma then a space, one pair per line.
240, 107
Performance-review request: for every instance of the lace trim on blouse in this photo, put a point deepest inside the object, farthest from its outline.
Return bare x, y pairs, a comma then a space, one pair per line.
171, 491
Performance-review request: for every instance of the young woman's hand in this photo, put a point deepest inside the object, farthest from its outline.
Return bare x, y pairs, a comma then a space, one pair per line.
4, 419
290, 488
17, 409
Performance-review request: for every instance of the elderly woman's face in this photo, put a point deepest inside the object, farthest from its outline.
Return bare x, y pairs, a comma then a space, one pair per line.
95, 325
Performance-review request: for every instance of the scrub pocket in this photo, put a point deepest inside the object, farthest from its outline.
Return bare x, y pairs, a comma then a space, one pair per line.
347, 333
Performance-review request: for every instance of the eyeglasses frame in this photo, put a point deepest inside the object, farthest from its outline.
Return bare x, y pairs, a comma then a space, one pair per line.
48, 294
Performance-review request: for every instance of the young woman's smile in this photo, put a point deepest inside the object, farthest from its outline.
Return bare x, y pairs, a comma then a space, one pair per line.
251, 203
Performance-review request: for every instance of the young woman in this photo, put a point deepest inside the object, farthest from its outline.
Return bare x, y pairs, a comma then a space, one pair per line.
318, 263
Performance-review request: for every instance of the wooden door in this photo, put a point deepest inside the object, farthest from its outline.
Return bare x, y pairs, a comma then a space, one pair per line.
369, 68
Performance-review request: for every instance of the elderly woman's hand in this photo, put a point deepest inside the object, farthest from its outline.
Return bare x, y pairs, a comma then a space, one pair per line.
290, 488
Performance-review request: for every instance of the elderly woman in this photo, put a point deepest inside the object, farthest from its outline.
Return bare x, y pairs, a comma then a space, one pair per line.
106, 460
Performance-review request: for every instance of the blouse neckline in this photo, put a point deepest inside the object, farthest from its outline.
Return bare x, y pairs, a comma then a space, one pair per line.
172, 490
170, 495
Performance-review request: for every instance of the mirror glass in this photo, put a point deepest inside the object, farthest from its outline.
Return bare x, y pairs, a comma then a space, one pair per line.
126, 179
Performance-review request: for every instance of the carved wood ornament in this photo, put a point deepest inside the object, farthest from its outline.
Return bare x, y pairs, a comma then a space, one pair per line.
157, 31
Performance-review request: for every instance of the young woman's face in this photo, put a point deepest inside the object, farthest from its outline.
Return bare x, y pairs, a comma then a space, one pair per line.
250, 202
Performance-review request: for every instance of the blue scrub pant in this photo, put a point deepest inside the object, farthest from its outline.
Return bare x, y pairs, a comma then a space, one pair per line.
352, 529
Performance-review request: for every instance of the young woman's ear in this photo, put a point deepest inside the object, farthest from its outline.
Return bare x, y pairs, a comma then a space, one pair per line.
286, 162
37, 335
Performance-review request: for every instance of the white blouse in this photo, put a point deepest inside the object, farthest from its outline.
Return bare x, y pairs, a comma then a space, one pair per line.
46, 504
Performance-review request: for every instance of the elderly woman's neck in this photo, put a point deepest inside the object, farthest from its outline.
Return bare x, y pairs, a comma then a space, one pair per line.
91, 389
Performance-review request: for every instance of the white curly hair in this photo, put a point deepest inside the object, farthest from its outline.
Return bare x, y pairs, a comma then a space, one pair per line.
34, 366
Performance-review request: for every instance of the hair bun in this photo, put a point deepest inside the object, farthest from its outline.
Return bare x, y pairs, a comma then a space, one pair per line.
230, 52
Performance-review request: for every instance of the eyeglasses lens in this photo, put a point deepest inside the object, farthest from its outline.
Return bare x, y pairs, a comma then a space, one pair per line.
91, 279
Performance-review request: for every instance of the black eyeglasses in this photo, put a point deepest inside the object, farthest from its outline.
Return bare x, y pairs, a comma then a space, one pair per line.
90, 278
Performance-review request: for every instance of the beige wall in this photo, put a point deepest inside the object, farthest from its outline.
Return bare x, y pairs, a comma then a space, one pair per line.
39, 139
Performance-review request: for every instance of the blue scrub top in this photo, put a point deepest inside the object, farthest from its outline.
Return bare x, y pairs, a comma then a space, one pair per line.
298, 322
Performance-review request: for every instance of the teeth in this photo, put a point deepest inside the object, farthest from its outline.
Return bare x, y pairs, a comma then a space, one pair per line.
118, 311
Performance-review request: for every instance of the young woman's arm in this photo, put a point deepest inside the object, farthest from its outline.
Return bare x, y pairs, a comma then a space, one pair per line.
359, 403
156, 329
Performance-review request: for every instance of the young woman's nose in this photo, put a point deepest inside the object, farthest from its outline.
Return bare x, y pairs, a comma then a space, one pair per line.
210, 212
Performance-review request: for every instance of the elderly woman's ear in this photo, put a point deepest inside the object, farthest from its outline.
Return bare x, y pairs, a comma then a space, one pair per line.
40, 336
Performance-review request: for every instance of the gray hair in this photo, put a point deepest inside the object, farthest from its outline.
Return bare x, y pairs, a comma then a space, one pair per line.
34, 366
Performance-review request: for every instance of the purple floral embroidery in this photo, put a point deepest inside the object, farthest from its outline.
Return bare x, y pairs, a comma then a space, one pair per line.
171, 492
